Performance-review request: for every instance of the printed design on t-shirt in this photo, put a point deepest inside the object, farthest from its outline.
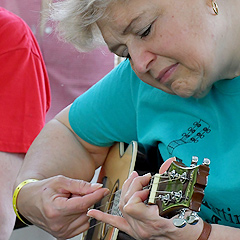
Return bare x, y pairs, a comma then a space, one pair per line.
192, 135
223, 214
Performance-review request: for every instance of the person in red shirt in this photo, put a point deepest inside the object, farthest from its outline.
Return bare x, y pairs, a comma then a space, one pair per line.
24, 98
70, 72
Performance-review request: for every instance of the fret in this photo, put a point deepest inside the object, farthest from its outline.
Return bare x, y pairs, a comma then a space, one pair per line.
177, 189
115, 205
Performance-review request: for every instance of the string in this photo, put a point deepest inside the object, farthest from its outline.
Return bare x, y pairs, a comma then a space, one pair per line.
119, 213
146, 187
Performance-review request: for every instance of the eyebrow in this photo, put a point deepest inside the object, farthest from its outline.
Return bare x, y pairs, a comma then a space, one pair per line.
124, 32
130, 25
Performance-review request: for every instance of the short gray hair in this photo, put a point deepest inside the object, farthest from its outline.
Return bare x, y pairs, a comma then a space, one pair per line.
76, 21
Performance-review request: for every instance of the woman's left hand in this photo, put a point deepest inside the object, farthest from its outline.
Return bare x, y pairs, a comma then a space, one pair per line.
140, 220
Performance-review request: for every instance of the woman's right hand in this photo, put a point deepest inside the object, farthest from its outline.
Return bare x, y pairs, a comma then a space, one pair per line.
59, 204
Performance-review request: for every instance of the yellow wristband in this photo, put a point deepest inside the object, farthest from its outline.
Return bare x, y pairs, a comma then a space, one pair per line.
15, 195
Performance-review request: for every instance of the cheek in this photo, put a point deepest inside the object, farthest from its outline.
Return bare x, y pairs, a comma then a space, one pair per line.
183, 42
170, 42
191, 53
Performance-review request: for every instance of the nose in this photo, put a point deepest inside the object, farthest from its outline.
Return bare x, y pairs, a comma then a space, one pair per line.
141, 56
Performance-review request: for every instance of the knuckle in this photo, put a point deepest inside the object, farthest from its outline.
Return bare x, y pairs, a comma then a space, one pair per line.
82, 183
51, 215
59, 178
121, 205
143, 234
50, 212
83, 205
128, 209
85, 226
56, 229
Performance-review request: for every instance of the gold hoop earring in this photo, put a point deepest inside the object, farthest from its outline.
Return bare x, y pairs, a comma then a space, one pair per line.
215, 7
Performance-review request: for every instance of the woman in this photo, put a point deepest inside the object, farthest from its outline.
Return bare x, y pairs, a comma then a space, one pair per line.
187, 53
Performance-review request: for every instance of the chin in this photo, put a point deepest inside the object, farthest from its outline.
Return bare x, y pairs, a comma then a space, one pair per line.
187, 92
184, 93
190, 94
202, 94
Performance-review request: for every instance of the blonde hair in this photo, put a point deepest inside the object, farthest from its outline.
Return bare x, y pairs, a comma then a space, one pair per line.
76, 21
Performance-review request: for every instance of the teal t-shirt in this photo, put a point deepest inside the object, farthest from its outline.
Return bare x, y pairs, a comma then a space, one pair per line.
122, 108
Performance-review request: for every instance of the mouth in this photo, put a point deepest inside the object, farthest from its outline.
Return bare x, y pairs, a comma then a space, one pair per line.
166, 73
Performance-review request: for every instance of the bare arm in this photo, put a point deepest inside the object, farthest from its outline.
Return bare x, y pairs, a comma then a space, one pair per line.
58, 151
10, 164
61, 161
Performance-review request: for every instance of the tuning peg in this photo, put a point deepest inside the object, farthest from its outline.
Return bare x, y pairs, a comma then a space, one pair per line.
193, 218
206, 161
180, 221
194, 161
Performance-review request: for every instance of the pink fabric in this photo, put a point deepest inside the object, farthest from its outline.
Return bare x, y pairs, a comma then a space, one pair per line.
71, 73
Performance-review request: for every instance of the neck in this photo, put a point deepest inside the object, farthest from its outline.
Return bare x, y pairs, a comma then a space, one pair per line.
229, 48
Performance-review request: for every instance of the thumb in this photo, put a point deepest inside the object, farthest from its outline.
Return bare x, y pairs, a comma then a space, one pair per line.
75, 186
164, 167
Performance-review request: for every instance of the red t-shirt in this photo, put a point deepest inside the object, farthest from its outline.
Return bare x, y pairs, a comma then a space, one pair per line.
24, 85
70, 72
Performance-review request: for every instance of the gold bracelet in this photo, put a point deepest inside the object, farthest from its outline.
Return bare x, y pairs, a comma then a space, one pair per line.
15, 195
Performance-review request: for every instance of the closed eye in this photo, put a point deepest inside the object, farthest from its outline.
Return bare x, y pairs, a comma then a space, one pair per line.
145, 32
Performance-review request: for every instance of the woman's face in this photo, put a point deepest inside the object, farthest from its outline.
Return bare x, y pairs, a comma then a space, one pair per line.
171, 44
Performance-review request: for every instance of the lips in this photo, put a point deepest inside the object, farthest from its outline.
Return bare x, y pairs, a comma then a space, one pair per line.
165, 74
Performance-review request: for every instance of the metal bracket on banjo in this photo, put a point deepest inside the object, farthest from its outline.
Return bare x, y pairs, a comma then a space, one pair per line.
193, 218
178, 189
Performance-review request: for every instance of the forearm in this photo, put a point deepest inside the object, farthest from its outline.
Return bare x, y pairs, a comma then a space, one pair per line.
220, 232
56, 201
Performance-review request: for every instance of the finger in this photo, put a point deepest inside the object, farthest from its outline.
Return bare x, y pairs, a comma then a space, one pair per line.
128, 182
63, 223
138, 183
79, 204
74, 186
137, 209
81, 224
113, 220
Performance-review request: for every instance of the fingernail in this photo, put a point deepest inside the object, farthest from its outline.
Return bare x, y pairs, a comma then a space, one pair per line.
106, 193
97, 185
147, 175
133, 173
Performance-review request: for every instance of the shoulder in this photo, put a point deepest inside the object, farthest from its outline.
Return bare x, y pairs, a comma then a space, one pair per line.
14, 32
11, 22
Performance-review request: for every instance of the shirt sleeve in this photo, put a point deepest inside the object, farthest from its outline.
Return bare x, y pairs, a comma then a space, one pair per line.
107, 112
24, 85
